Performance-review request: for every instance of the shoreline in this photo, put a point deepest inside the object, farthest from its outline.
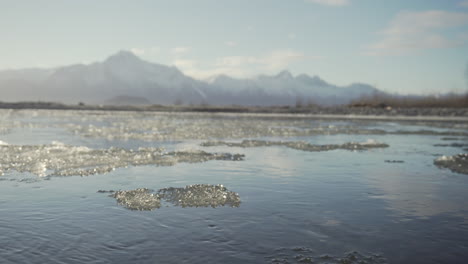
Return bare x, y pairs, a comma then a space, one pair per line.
332, 112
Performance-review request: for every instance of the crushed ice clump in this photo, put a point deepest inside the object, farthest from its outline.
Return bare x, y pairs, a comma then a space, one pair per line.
200, 195
457, 163
140, 199
58, 159
197, 195
299, 145
304, 255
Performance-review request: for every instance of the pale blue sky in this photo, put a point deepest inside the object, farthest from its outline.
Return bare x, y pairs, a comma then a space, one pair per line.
405, 46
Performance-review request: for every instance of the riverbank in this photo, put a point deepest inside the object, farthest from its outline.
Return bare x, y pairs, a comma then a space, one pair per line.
371, 110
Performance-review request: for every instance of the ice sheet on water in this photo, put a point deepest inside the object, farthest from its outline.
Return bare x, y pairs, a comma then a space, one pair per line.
140, 199
178, 128
457, 163
197, 195
306, 255
455, 145
152, 126
299, 145
200, 195
58, 159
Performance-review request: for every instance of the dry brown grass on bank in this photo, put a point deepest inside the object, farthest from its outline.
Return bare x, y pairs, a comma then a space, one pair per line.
453, 100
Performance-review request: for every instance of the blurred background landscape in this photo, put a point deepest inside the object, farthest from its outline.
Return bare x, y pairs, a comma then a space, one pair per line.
300, 53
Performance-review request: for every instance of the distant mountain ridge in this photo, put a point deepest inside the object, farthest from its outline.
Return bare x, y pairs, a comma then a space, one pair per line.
123, 78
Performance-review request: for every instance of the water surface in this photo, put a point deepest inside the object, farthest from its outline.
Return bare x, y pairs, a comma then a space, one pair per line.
296, 205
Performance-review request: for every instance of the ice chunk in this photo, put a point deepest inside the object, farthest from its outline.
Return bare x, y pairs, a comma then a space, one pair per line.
299, 145
64, 160
140, 199
198, 195
457, 163
306, 255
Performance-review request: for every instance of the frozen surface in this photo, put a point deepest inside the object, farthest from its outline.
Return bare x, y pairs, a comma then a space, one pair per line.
196, 195
58, 159
140, 199
299, 145
306, 255
392, 201
457, 163
200, 195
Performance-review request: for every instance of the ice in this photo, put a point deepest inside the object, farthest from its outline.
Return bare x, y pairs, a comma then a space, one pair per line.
197, 195
454, 145
183, 126
203, 129
140, 199
394, 161
306, 255
457, 163
200, 195
167, 126
58, 159
299, 145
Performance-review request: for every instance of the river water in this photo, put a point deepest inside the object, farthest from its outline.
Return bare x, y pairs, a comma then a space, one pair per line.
310, 189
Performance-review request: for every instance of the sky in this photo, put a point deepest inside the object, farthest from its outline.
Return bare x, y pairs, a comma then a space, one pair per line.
399, 46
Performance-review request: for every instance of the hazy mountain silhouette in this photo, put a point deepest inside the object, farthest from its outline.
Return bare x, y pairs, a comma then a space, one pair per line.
123, 78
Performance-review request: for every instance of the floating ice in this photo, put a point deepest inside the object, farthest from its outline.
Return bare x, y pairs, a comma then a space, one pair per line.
455, 145
457, 163
161, 126
58, 159
305, 255
204, 128
299, 145
198, 195
140, 199
394, 161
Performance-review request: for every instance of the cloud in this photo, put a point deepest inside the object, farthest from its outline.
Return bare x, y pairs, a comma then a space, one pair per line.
463, 3
242, 66
276, 60
145, 51
291, 36
154, 50
330, 2
413, 31
180, 50
181, 63
231, 43
137, 51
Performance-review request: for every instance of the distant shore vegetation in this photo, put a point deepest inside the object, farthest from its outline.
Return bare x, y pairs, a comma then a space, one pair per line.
378, 104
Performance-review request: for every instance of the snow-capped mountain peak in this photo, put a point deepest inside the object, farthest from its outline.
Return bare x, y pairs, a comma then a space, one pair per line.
125, 76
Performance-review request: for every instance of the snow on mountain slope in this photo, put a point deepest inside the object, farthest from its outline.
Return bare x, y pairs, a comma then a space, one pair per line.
124, 75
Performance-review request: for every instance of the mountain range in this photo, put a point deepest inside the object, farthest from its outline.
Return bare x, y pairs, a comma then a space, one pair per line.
123, 78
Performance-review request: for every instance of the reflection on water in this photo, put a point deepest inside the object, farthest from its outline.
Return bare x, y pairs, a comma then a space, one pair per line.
297, 206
